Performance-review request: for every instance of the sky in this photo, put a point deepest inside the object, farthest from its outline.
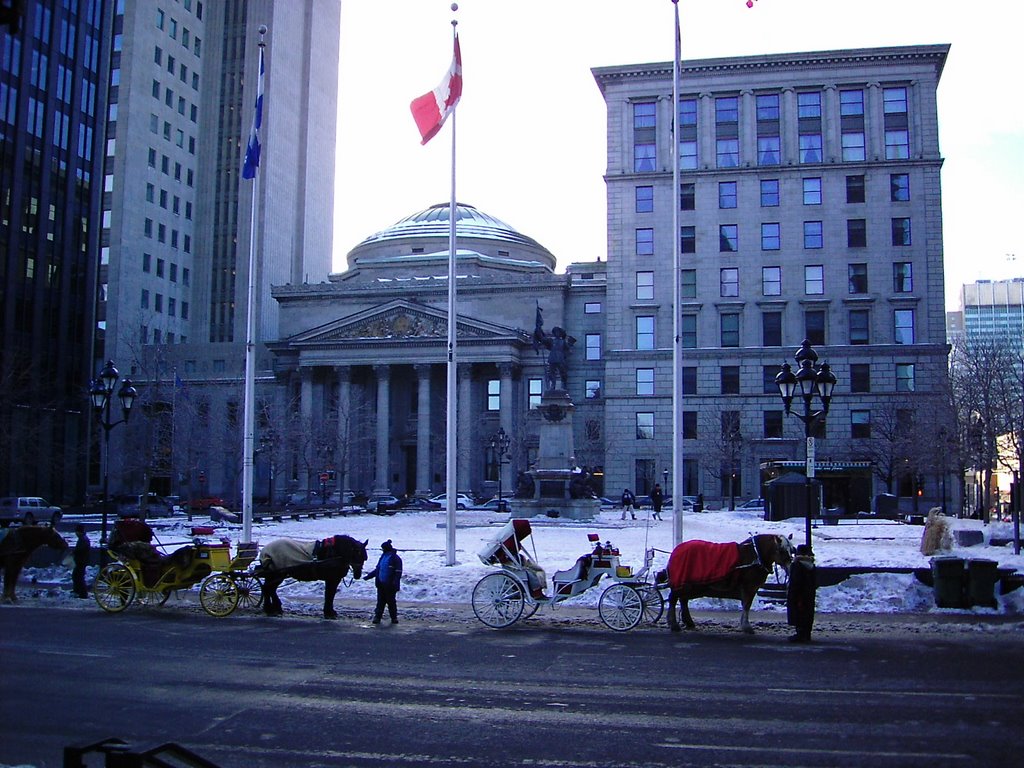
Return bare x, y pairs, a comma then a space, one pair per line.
421, 539
531, 126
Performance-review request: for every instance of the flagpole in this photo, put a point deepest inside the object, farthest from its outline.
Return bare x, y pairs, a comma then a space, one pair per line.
451, 454
677, 342
248, 440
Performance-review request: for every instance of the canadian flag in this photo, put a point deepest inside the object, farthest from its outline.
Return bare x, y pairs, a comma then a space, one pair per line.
431, 109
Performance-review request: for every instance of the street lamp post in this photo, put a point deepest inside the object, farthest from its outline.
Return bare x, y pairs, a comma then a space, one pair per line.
101, 393
811, 381
500, 443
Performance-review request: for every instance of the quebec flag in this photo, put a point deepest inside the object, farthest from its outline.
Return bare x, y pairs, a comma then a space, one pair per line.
252, 150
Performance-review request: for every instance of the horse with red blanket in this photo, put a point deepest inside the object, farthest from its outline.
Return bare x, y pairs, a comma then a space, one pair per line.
733, 570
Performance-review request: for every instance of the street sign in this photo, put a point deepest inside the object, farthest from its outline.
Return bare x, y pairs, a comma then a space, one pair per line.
324, 477
810, 457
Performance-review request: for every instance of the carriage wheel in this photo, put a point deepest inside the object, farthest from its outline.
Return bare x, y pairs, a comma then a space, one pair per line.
114, 588
250, 591
218, 595
654, 603
529, 609
621, 607
498, 600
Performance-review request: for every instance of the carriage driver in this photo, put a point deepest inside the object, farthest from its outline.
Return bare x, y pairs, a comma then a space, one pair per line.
389, 580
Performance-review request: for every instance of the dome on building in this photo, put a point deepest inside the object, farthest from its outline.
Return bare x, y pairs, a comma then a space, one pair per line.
426, 232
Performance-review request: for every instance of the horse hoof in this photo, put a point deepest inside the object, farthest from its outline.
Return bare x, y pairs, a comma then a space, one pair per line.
676, 628
748, 630
330, 616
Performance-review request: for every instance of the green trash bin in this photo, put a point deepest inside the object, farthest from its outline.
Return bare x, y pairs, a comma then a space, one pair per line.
982, 576
948, 578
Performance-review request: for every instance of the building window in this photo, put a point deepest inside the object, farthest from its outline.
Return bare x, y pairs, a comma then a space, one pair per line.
729, 282
769, 150
808, 104
644, 286
688, 196
812, 191
644, 425
147, 261
860, 424
860, 377
688, 374
856, 233
771, 329
905, 377
853, 146
689, 425
902, 277
858, 278
771, 281
810, 148
901, 231
645, 381
592, 308
728, 238
644, 132
771, 238
814, 280
535, 389
644, 199
897, 145
493, 394
144, 303
688, 331
903, 322
814, 326
813, 235
727, 153
859, 326
688, 283
851, 114
769, 193
899, 187
645, 242
768, 374
687, 134
773, 424
593, 389
769, 145
645, 332
688, 239
593, 346
727, 194
158, 303
730, 327
729, 379
897, 135
855, 189
160, 267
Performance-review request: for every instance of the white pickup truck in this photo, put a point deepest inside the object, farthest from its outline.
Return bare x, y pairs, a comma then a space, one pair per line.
28, 510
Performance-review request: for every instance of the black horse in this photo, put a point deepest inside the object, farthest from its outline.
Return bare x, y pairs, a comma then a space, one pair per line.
328, 561
16, 548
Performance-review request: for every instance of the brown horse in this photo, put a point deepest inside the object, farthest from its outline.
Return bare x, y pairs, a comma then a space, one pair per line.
16, 548
736, 571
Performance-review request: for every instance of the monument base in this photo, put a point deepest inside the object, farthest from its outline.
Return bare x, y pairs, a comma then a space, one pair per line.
567, 509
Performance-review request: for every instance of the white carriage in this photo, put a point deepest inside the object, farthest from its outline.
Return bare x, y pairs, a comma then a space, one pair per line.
520, 587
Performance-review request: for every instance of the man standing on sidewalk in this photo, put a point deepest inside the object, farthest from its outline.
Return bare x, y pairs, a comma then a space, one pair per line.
389, 580
81, 554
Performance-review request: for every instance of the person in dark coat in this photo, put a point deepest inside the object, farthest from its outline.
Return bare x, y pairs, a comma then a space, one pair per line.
801, 594
388, 574
657, 499
82, 553
627, 504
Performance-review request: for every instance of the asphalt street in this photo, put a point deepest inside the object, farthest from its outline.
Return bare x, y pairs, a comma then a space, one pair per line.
440, 689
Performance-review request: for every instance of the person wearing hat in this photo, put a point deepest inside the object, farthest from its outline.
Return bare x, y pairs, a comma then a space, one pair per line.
388, 574
82, 553
800, 595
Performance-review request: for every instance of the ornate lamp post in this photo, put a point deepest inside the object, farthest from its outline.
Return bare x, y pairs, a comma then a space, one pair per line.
810, 381
101, 393
500, 443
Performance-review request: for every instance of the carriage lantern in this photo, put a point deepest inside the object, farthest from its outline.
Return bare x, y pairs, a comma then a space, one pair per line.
101, 393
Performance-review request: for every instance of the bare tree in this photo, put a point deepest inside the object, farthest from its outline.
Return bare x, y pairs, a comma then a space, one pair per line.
726, 455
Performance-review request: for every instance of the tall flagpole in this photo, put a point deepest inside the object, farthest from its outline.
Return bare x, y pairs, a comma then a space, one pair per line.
677, 340
250, 332
451, 453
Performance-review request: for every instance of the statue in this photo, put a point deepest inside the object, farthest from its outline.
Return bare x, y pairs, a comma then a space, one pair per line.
559, 344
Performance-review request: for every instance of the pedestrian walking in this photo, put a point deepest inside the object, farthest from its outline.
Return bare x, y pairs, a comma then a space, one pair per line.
657, 499
801, 595
83, 550
389, 580
627, 504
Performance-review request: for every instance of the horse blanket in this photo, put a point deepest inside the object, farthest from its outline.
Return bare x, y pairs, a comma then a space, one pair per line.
285, 553
702, 562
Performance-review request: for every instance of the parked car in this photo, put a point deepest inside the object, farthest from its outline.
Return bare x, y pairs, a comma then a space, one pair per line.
462, 500
419, 504
643, 502
754, 505
205, 502
28, 510
503, 506
382, 504
152, 505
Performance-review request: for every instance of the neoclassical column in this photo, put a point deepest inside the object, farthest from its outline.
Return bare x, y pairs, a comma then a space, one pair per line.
344, 439
831, 125
505, 370
381, 476
789, 127
707, 153
465, 447
748, 128
874, 121
423, 464
306, 417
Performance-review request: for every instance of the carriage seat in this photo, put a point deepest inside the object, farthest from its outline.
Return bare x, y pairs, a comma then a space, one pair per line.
563, 581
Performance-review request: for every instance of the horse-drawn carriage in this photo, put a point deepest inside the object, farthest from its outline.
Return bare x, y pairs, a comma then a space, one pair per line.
140, 572
520, 587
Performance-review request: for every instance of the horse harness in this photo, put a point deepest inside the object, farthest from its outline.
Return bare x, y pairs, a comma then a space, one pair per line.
750, 545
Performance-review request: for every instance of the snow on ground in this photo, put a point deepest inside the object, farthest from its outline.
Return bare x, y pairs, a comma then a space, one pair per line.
421, 539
